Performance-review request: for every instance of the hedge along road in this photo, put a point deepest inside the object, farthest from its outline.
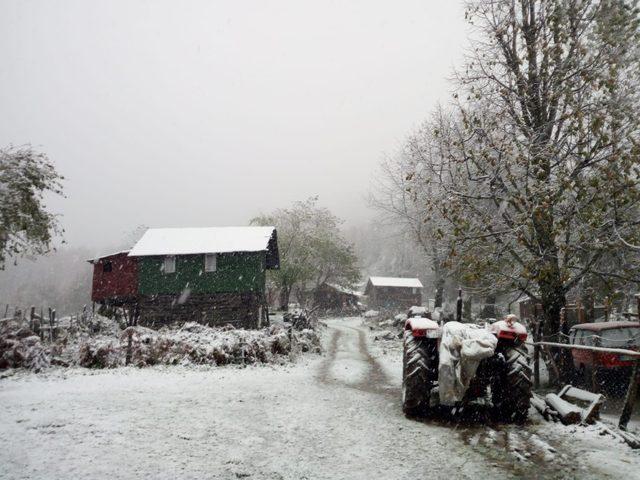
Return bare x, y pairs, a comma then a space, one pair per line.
335, 416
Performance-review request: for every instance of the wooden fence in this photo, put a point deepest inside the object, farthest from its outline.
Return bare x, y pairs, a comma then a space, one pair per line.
44, 322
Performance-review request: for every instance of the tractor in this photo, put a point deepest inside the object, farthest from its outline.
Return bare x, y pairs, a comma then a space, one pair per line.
504, 377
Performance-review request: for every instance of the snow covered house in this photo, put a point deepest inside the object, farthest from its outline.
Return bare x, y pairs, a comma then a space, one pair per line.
393, 292
210, 275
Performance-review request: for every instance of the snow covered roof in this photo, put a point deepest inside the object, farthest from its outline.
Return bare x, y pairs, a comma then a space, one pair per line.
346, 290
395, 282
190, 241
95, 259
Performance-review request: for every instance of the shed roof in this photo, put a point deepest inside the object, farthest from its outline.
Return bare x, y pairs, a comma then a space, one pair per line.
395, 282
191, 241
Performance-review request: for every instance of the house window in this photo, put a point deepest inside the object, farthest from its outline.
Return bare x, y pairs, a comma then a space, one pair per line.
169, 264
210, 262
107, 266
414, 291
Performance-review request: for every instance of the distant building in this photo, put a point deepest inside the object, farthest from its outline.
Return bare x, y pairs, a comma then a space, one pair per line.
333, 298
209, 275
393, 292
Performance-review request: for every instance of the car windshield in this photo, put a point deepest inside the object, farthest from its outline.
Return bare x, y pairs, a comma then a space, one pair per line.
620, 337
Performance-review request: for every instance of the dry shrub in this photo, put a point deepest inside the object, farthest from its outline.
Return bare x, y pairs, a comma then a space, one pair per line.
21, 348
100, 354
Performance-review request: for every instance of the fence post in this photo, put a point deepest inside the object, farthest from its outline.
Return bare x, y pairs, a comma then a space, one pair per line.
32, 314
630, 397
595, 388
127, 360
536, 355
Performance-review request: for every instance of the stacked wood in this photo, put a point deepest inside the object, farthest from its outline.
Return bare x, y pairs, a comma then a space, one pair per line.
555, 408
591, 400
567, 412
547, 412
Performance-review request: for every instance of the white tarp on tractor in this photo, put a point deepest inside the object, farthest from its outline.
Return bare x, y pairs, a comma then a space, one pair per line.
462, 347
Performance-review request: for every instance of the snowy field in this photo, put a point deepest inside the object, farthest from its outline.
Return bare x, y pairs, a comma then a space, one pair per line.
335, 416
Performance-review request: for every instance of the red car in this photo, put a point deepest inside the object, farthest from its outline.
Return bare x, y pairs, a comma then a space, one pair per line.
608, 366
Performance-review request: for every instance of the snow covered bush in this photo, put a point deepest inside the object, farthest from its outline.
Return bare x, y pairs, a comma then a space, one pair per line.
99, 354
102, 344
198, 344
21, 348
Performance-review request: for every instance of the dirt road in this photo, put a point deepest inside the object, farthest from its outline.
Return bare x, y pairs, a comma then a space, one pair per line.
331, 417
514, 450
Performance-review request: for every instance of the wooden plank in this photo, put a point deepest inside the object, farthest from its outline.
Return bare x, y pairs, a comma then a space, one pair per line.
591, 412
630, 397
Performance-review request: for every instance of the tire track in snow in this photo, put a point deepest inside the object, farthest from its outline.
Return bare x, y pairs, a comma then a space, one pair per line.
349, 363
522, 451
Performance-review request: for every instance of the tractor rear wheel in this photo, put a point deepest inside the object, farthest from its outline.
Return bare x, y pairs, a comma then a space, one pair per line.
511, 386
419, 373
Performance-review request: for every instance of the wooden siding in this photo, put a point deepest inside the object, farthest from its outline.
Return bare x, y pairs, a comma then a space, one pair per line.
236, 272
118, 284
394, 297
244, 309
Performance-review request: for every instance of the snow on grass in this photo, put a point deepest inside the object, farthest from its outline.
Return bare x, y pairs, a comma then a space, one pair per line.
104, 345
267, 422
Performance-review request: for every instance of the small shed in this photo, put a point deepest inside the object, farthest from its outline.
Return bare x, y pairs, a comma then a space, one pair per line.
115, 279
393, 292
330, 297
213, 275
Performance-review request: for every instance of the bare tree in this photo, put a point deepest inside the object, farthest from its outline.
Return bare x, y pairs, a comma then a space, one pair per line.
537, 173
399, 196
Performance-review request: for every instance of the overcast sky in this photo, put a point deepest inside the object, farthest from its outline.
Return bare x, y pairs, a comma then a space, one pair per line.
204, 113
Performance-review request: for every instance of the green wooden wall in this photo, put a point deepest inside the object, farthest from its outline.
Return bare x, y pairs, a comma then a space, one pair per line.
236, 272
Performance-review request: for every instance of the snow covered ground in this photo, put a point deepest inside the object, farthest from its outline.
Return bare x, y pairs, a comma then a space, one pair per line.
332, 417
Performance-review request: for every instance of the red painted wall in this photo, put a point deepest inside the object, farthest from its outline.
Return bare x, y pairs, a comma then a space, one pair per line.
121, 281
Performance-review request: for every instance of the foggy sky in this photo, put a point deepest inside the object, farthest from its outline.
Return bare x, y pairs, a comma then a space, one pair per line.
204, 113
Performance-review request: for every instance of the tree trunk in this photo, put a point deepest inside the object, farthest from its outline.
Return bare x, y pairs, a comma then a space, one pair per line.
466, 308
553, 301
489, 309
285, 293
439, 284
